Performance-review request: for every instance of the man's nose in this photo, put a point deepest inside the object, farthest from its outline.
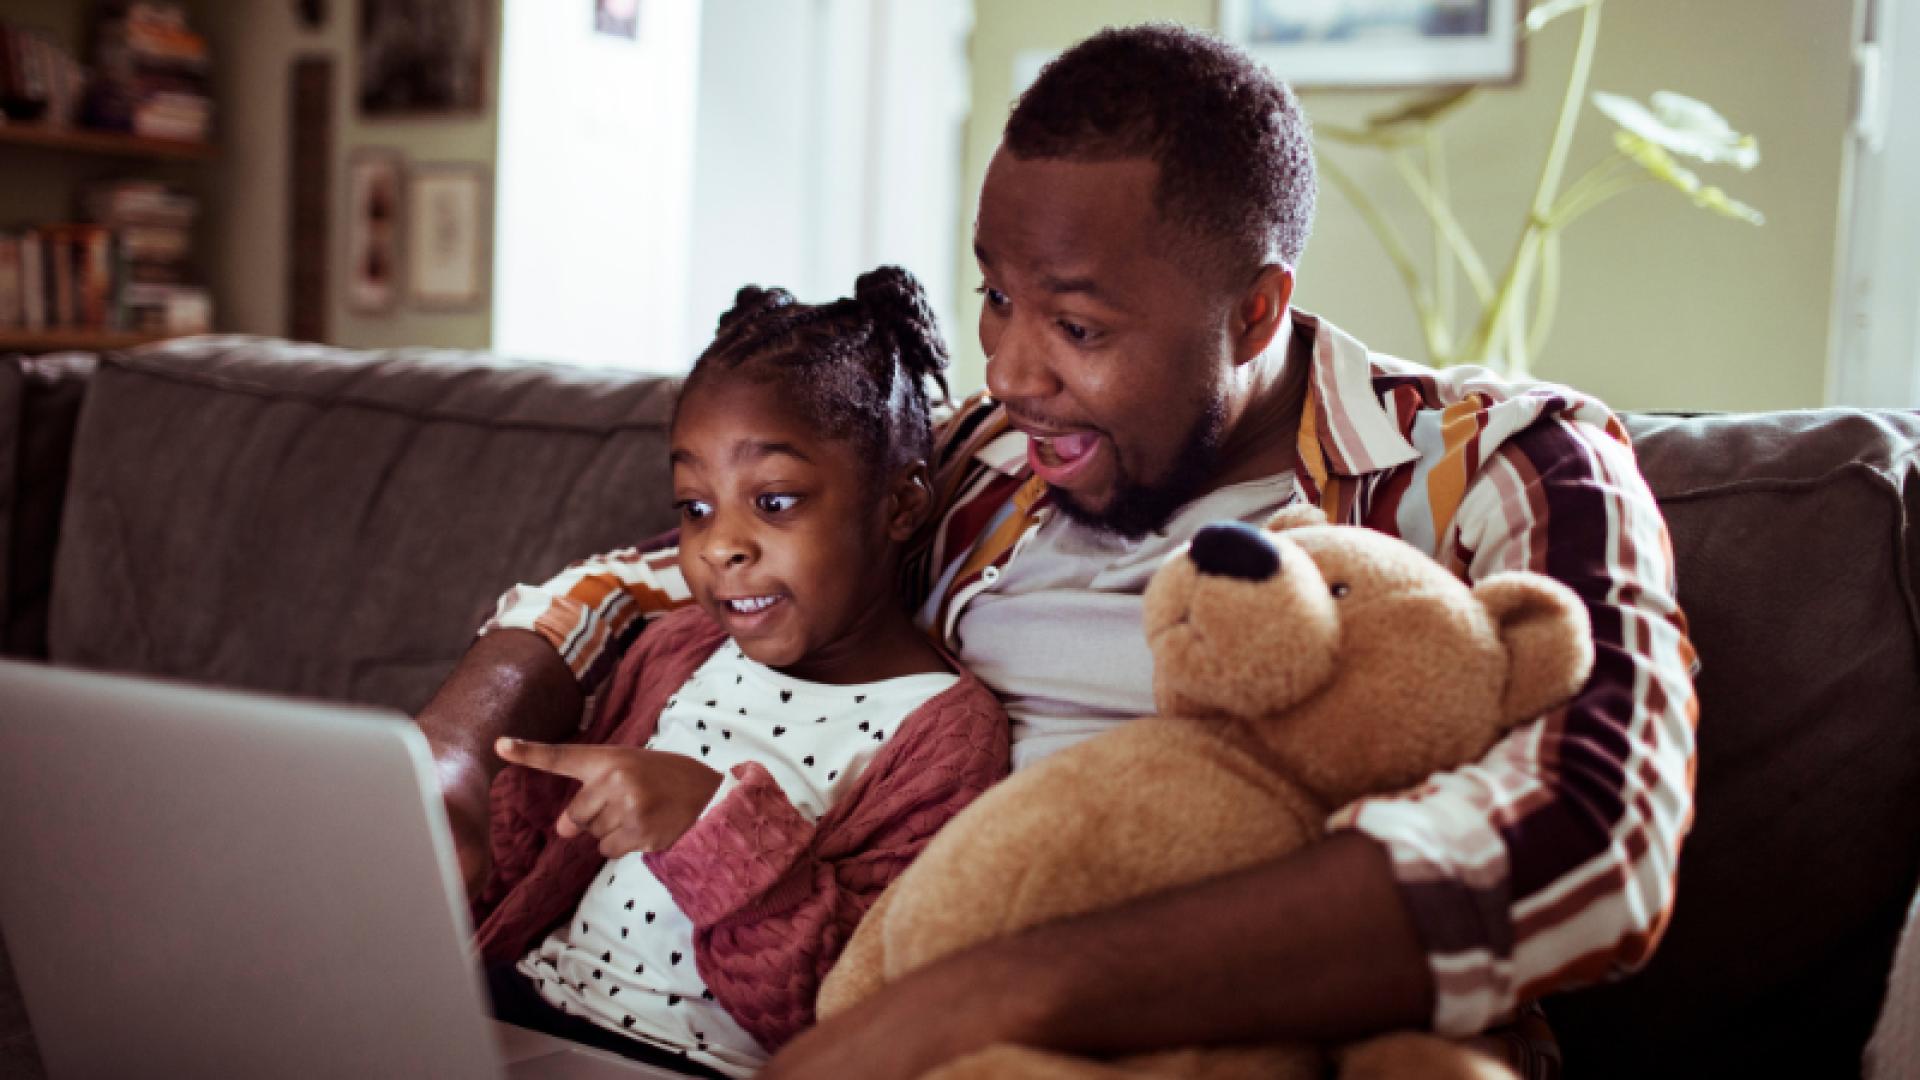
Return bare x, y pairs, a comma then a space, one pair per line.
1018, 370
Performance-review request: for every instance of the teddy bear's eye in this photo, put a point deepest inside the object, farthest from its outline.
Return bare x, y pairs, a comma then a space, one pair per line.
1338, 589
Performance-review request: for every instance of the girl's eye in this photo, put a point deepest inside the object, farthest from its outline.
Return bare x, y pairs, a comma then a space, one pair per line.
1074, 331
692, 509
775, 504
995, 298
1339, 589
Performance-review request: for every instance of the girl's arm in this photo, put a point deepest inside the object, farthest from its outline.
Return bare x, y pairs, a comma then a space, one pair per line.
774, 897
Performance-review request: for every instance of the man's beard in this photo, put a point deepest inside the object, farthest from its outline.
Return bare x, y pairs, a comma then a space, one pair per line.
1137, 509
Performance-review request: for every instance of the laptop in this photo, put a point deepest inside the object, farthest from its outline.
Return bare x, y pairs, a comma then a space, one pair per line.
199, 882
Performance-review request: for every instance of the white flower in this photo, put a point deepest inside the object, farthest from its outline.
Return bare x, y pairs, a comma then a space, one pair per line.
1682, 125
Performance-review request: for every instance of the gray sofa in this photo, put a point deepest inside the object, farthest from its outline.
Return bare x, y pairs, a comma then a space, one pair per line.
254, 513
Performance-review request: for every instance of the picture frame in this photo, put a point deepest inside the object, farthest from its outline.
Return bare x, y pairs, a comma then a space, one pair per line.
423, 57
448, 236
1383, 44
375, 230
617, 18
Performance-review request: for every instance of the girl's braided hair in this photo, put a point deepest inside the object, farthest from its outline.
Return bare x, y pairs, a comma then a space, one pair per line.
858, 367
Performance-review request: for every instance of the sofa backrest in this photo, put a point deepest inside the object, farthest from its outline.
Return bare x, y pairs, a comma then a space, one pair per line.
1797, 537
335, 524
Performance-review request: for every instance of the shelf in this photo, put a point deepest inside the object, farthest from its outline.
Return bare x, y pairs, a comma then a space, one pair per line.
79, 140
46, 341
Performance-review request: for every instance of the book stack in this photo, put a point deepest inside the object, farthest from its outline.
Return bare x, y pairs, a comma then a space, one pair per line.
151, 73
127, 268
152, 226
40, 82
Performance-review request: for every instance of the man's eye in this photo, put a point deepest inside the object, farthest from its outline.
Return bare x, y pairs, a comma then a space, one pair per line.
692, 509
995, 298
775, 504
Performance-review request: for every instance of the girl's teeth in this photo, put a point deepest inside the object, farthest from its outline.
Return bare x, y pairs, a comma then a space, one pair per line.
748, 607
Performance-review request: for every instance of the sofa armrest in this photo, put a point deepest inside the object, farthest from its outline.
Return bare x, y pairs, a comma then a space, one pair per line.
40, 400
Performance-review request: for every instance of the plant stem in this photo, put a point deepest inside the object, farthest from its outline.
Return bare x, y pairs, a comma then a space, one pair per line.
1396, 249
1447, 226
1495, 322
1594, 198
1442, 258
1549, 300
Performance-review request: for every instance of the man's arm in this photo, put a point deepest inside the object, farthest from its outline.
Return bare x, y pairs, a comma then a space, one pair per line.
1317, 945
1552, 862
510, 683
528, 675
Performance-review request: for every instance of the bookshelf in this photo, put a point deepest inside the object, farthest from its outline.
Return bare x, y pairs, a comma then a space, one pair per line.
82, 141
98, 224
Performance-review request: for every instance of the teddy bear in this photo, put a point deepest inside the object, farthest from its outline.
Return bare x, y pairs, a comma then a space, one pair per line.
1297, 668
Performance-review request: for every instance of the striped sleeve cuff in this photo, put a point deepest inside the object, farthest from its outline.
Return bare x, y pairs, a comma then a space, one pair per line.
1451, 865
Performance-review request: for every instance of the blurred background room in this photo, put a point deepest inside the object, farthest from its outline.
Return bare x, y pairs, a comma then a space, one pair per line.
588, 181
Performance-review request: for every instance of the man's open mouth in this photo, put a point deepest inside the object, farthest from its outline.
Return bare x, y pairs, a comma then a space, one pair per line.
1059, 451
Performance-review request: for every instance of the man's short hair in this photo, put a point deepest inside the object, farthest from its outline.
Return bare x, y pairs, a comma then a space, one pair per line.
1234, 150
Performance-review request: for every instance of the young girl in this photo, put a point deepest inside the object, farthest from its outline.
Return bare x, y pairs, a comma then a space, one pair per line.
769, 758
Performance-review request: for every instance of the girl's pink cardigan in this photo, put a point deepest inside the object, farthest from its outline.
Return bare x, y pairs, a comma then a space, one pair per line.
773, 897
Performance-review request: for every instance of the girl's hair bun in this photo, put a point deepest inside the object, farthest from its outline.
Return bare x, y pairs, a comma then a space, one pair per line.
897, 303
751, 302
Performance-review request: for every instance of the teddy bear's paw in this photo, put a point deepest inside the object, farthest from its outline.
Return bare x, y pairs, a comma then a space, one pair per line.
1022, 1063
1410, 1054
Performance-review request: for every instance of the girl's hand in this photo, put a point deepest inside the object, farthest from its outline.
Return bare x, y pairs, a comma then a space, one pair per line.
631, 800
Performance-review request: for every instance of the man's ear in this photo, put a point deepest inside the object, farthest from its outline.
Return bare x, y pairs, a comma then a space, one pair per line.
1261, 311
909, 499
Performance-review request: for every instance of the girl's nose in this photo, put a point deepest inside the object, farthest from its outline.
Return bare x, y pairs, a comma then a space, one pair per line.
727, 548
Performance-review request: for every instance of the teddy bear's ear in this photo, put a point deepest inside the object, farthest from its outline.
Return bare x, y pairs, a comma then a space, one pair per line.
1549, 642
1294, 517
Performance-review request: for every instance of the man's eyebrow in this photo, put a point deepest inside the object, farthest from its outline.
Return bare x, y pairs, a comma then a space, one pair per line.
1058, 286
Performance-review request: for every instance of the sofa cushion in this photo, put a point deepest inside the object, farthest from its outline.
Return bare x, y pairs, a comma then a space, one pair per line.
1796, 549
318, 522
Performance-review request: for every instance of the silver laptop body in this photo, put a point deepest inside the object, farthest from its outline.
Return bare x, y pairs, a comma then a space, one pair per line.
205, 883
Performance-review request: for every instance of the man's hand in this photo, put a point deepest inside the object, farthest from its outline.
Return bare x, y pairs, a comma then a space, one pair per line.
630, 800
965, 1003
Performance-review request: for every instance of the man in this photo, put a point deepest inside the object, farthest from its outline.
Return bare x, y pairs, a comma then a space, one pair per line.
1137, 235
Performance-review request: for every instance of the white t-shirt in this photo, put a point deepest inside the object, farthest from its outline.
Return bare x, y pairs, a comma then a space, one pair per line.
625, 959
1059, 635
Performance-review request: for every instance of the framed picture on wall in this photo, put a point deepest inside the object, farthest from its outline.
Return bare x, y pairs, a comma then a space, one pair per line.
617, 18
423, 56
374, 222
447, 237
1380, 43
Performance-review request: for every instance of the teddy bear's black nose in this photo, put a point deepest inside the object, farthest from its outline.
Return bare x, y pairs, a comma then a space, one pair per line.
1234, 550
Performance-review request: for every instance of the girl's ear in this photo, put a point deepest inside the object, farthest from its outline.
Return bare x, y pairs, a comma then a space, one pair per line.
909, 500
